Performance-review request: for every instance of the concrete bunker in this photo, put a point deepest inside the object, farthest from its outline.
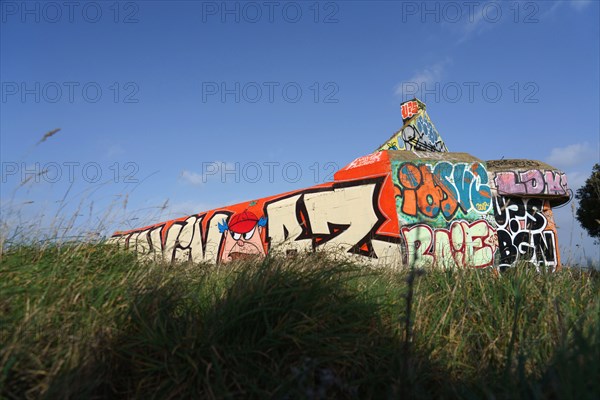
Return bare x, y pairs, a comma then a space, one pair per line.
411, 202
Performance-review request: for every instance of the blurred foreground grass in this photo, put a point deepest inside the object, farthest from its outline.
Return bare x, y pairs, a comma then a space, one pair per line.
89, 321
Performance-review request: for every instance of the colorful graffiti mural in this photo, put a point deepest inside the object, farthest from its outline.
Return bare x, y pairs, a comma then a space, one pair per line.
418, 132
531, 182
350, 218
410, 108
242, 242
463, 243
450, 190
526, 231
524, 193
392, 207
442, 208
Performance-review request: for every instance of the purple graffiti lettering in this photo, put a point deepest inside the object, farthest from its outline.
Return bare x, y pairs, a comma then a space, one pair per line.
507, 183
556, 182
533, 181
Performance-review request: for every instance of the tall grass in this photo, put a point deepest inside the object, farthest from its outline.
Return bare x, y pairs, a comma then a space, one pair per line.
89, 321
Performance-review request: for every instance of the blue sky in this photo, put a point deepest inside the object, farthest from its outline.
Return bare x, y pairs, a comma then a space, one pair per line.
175, 94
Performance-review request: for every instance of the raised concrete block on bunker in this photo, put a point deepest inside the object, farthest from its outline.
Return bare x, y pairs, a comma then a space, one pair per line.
418, 131
529, 178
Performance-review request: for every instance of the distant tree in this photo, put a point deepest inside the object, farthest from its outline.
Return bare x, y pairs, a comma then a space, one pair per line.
588, 213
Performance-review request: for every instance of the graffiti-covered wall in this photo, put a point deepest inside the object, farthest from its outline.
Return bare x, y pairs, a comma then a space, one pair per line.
415, 208
421, 206
525, 191
418, 132
352, 218
526, 231
444, 212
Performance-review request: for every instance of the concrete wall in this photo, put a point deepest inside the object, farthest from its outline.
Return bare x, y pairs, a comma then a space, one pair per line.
418, 131
390, 207
353, 217
410, 203
444, 208
525, 191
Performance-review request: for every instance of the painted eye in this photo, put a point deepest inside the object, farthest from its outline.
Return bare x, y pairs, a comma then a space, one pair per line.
236, 236
248, 235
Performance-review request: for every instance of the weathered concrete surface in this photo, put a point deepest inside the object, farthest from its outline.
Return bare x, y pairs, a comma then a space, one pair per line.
516, 163
529, 178
391, 207
418, 131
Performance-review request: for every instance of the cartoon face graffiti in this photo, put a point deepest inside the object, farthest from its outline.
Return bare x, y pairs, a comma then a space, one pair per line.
242, 236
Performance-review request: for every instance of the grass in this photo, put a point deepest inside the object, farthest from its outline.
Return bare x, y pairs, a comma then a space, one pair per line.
89, 321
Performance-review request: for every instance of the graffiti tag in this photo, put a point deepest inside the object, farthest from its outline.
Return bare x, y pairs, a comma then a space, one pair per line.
463, 244
532, 182
523, 231
344, 218
409, 109
443, 190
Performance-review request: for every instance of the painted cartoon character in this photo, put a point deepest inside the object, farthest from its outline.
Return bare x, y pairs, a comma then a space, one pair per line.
244, 239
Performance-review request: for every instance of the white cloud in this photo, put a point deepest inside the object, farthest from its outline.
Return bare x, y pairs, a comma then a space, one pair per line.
482, 21
580, 4
576, 179
211, 170
576, 246
571, 155
192, 178
483, 17
475, 26
115, 150
177, 210
428, 76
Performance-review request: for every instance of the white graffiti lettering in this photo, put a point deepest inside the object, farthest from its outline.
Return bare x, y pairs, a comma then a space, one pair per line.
463, 244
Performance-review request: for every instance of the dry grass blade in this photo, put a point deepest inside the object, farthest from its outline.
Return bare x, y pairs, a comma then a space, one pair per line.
47, 135
94, 322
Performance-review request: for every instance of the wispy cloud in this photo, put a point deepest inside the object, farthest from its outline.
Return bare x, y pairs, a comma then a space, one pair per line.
475, 26
115, 150
576, 179
425, 77
192, 178
177, 210
552, 9
210, 170
571, 155
580, 4
492, 13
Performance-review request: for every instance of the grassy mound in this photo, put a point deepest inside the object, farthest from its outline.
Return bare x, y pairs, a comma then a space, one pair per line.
89, 321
